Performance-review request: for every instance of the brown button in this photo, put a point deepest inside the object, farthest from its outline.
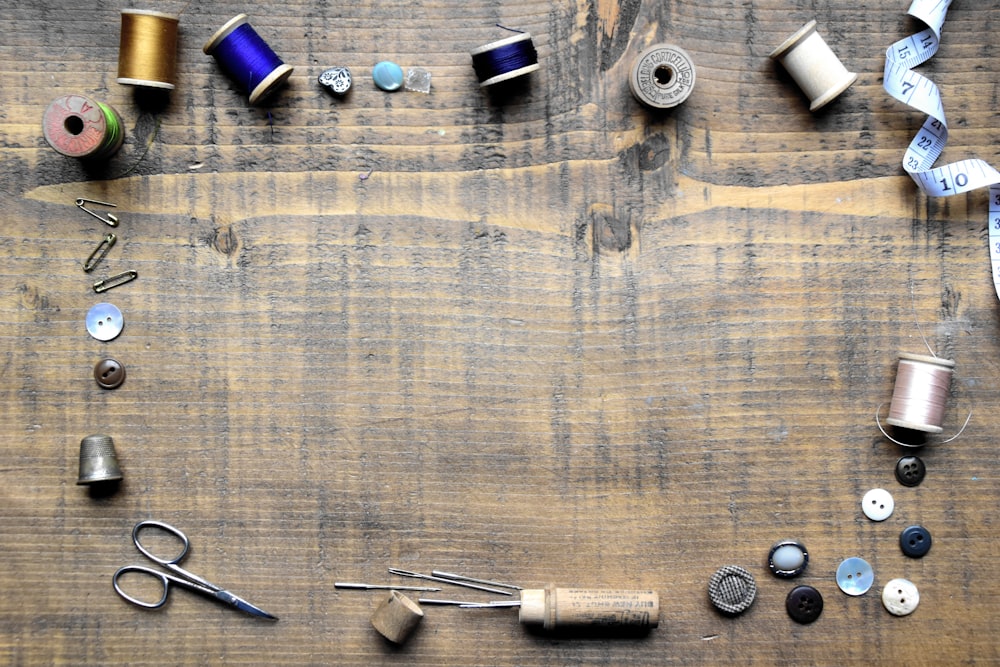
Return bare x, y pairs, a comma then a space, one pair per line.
109, 373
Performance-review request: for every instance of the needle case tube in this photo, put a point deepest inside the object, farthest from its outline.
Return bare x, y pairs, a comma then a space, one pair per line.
561, 608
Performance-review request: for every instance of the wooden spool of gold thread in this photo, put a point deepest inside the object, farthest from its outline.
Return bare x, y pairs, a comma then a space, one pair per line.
147, 54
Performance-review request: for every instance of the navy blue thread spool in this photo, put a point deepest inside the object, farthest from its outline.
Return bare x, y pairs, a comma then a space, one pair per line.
505, 59
247, 58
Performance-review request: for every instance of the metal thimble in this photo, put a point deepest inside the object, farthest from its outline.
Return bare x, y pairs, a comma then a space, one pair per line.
98, 460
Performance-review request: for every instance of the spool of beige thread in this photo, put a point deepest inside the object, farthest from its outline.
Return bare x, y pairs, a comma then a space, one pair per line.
920, 393
396, 617
814, 66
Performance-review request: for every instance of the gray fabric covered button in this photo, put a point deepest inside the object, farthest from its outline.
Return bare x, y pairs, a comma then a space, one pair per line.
732, 589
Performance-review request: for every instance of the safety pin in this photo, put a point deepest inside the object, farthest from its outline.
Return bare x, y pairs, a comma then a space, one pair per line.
99, 252
110, 220
115, 281
442, 580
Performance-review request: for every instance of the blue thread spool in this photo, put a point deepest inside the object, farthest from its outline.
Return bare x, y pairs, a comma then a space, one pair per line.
505, 59
247, 58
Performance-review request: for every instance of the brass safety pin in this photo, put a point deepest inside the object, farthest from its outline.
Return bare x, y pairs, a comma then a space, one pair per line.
115, 281
110, 220
99, 252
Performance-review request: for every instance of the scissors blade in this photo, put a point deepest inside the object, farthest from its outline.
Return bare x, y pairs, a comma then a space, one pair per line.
243, 605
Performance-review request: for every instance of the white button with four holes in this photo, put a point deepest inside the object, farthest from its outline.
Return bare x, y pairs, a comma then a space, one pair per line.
877, 504
900, 597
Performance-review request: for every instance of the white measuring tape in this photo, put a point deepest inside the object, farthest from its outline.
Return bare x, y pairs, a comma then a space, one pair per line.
922, 94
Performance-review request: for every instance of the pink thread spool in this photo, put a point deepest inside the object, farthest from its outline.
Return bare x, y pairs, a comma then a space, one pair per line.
920, 395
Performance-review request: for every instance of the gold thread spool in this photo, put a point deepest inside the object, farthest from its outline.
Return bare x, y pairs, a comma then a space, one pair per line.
147, 54
814, 66
921, 391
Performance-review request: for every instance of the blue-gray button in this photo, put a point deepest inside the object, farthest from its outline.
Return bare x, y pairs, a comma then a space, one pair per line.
855, 576
104, 321
915, 541
388, 76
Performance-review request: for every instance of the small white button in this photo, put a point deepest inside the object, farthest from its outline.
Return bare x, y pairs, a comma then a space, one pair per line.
104, 321
900, 597
877, 504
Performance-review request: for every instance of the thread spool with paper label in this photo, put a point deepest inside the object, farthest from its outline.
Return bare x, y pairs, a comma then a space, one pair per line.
814, 66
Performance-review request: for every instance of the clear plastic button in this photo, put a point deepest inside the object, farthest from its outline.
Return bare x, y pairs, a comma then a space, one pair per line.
105, 321
900, 597
877, 504
855, 576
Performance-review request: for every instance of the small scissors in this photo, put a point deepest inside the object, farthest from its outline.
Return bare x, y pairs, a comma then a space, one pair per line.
185, 578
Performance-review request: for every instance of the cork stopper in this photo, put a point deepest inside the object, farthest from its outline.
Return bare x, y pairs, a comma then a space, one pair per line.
396, 617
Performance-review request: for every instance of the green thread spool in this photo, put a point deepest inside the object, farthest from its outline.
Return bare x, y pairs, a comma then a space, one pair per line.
78, 126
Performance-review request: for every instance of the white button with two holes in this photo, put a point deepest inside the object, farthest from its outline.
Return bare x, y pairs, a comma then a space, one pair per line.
900, 597
877, 504
105, 321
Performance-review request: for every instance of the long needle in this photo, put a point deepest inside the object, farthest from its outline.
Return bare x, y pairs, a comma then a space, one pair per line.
383, 587
418, 575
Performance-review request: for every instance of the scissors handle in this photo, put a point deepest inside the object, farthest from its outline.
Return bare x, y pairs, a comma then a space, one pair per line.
163, 577
166, 527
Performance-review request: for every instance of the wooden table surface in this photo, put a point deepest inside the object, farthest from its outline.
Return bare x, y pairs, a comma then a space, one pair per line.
553, 337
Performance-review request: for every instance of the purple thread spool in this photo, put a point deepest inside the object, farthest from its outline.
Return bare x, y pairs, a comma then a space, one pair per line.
247, 58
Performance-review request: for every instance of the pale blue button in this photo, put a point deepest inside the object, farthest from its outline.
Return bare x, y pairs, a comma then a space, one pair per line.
388, 76
855, 576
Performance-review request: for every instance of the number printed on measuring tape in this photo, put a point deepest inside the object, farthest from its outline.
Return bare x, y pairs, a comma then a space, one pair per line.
922, 94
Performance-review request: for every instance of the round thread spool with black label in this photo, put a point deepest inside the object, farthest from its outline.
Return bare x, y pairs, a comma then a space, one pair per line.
662, 76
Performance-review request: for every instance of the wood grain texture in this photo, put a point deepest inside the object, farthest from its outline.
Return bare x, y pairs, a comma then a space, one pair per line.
552, 338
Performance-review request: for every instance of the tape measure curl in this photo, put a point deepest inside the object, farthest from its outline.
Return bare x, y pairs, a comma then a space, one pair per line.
919, 92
